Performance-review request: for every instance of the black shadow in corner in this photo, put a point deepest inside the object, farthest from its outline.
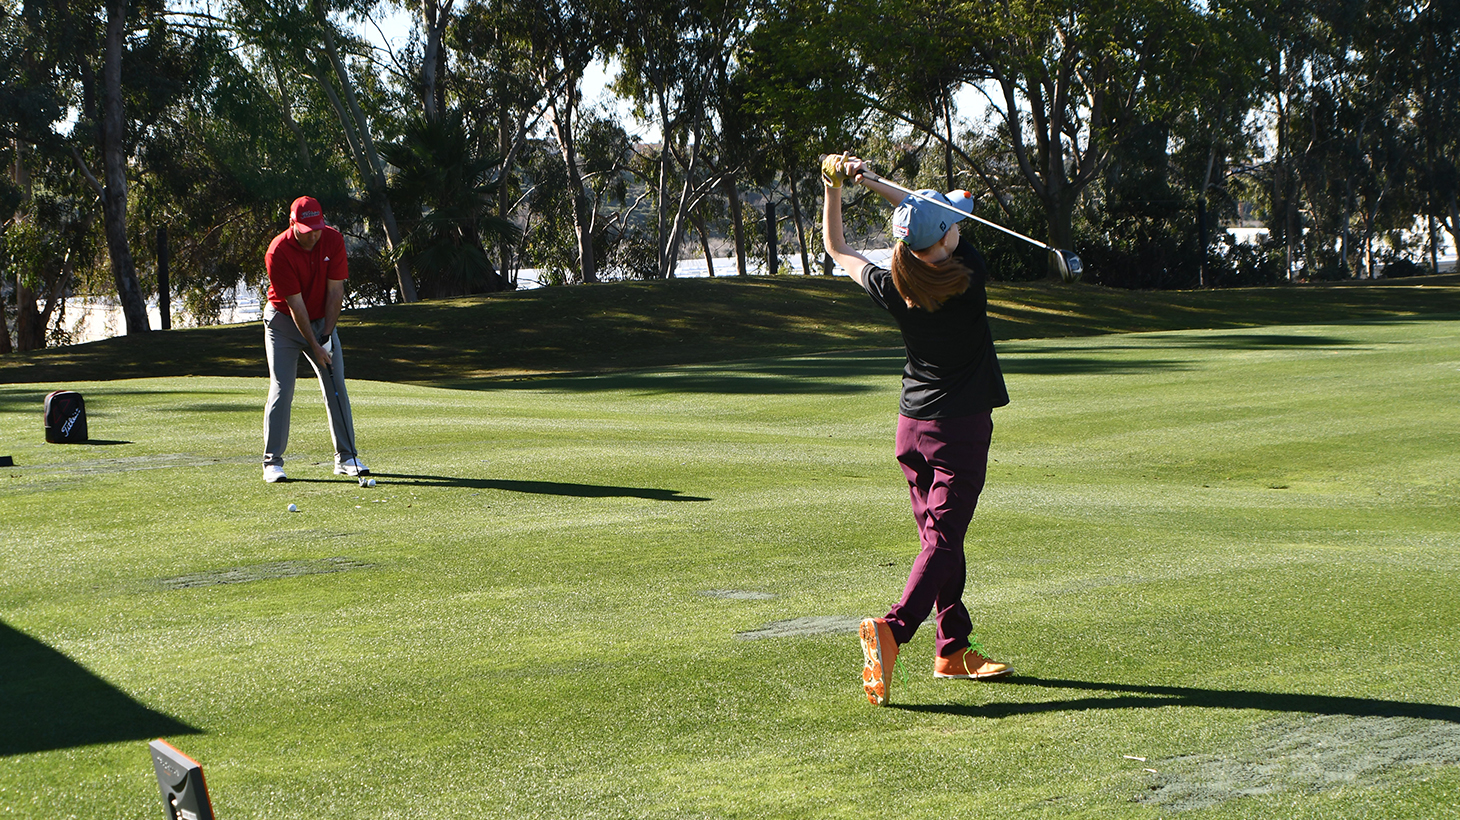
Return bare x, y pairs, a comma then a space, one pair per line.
49, 702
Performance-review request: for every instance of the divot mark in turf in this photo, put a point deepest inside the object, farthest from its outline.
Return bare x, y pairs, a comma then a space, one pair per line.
262, 572
739, 594
802, 627
1304, 754
126, 464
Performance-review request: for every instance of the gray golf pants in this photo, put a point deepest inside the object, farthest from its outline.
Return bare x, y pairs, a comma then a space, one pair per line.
283, 344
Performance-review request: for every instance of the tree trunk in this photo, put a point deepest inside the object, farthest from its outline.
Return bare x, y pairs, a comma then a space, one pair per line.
114, 158
21, 176
662, 200
1453, 226
737, 224
1434, 236
948, 144
504, 194
676, 233
1369, 243
372, 170
1347, 234
5, 346
286, 110
434, 16
1202, 239
699, 223
800, 231
1061, 230
30, 331
582, 216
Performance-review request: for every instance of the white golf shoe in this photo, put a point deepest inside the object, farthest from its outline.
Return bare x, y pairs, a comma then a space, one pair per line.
273, 473
351, 467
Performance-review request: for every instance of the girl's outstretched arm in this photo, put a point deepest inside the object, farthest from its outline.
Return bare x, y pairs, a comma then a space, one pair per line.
834, 239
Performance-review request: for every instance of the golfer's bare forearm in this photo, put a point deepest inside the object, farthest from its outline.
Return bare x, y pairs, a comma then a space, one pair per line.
874, 183
334, 303
300, 314
834, 238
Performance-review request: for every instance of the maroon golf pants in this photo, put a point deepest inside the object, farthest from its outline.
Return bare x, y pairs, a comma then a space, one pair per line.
945, 461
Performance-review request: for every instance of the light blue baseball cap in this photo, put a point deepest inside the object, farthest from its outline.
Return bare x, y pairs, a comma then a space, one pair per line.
921, 224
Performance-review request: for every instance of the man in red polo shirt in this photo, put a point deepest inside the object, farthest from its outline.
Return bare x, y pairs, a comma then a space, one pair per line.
307, 273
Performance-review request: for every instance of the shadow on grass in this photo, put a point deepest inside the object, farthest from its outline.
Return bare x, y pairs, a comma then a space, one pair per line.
536, 487
1188, 341
828, 374
1081, 365
824, 374
1048, 359
1151, 697
49, 702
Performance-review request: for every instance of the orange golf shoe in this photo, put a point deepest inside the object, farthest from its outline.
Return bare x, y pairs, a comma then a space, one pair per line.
968, 664
879, 654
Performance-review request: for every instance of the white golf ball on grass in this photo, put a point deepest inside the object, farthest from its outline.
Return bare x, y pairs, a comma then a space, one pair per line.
293, 508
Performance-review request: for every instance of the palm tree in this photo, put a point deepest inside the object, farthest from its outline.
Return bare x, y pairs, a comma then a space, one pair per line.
447, 189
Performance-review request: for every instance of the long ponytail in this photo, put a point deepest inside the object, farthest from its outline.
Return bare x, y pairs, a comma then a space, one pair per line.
923, 284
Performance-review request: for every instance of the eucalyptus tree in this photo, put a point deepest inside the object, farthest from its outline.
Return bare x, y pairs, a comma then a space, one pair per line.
122, 69
216, 172
305, 37
1167, 182
74, 57
48, 239
1066, 81
675, 67
798, 96
1300, 40
1214, 136
558, 40
1430, 68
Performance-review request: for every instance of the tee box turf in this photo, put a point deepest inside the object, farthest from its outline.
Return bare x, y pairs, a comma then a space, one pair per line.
180, 778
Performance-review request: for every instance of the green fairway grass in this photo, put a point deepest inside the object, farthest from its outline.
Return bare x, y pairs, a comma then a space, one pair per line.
1223, 562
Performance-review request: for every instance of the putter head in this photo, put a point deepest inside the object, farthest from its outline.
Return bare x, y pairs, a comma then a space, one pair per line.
1068, 265
364, 481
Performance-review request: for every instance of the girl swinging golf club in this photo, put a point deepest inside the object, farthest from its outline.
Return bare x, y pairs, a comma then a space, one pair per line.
934, 289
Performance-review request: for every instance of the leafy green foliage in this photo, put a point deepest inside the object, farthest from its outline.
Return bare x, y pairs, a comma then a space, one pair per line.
444, 191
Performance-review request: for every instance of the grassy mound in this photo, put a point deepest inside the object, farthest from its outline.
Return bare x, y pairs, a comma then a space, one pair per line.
650, 324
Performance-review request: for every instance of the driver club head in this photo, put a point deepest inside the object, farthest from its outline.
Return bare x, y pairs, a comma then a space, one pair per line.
1069, 265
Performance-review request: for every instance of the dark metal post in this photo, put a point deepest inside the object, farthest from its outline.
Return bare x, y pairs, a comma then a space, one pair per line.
164, 292
773, 264
1201, 229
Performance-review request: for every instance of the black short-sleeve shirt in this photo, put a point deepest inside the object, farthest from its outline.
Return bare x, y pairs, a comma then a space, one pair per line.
951, 370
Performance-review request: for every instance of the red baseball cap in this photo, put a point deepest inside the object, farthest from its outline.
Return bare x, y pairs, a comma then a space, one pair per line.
306, 215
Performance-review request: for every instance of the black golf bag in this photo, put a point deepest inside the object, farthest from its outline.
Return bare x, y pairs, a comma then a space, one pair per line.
65, 418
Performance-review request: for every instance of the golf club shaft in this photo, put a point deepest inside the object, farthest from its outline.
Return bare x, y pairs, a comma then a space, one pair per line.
348, 424
961, 214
